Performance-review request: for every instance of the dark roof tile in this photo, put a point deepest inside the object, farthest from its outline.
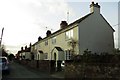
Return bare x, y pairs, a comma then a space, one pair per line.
77, 21
58, 48
40, 51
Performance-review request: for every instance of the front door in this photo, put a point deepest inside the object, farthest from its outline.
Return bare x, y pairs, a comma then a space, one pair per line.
55, 56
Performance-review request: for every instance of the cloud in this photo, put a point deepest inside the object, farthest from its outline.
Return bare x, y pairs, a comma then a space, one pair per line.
92, 0
25, 20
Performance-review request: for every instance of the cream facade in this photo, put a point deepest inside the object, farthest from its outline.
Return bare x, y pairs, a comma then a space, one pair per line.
91, 32
60, 40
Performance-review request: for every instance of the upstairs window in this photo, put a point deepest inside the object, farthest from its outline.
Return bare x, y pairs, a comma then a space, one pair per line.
69, 34
46, 42
54, 40
35, 47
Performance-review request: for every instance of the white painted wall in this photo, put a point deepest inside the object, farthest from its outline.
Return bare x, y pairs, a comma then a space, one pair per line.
61, 55
27, 55
96, 35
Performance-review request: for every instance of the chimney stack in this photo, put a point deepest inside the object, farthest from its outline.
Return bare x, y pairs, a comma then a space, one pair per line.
26, 47
63, 24
95, 8
21, 48
39, 38
30, 45
48, 33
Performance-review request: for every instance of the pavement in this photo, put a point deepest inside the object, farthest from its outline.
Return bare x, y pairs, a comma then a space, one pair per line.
18, 71
58, 75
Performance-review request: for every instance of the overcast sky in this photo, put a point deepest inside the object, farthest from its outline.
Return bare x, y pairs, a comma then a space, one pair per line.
25, 20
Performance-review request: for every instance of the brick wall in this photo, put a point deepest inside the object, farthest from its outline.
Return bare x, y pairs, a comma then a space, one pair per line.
41, 65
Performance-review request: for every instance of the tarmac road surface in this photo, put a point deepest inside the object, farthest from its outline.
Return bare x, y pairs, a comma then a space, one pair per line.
21, 72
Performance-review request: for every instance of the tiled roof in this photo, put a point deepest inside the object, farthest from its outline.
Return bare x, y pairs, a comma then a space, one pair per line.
81, 19
77, 21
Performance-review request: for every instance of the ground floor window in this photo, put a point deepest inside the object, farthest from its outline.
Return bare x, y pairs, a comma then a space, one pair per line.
46, 55
67, 55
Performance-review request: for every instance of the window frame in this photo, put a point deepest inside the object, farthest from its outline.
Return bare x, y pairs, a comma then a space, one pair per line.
46, 42
46, 56
68, 54
69, 34
53, 40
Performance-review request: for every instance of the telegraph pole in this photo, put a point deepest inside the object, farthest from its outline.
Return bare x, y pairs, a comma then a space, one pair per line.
1, 36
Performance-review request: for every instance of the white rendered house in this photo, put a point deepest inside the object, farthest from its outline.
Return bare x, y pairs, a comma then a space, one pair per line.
91, 32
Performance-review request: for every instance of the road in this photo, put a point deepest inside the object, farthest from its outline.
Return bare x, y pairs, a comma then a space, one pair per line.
18, 71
